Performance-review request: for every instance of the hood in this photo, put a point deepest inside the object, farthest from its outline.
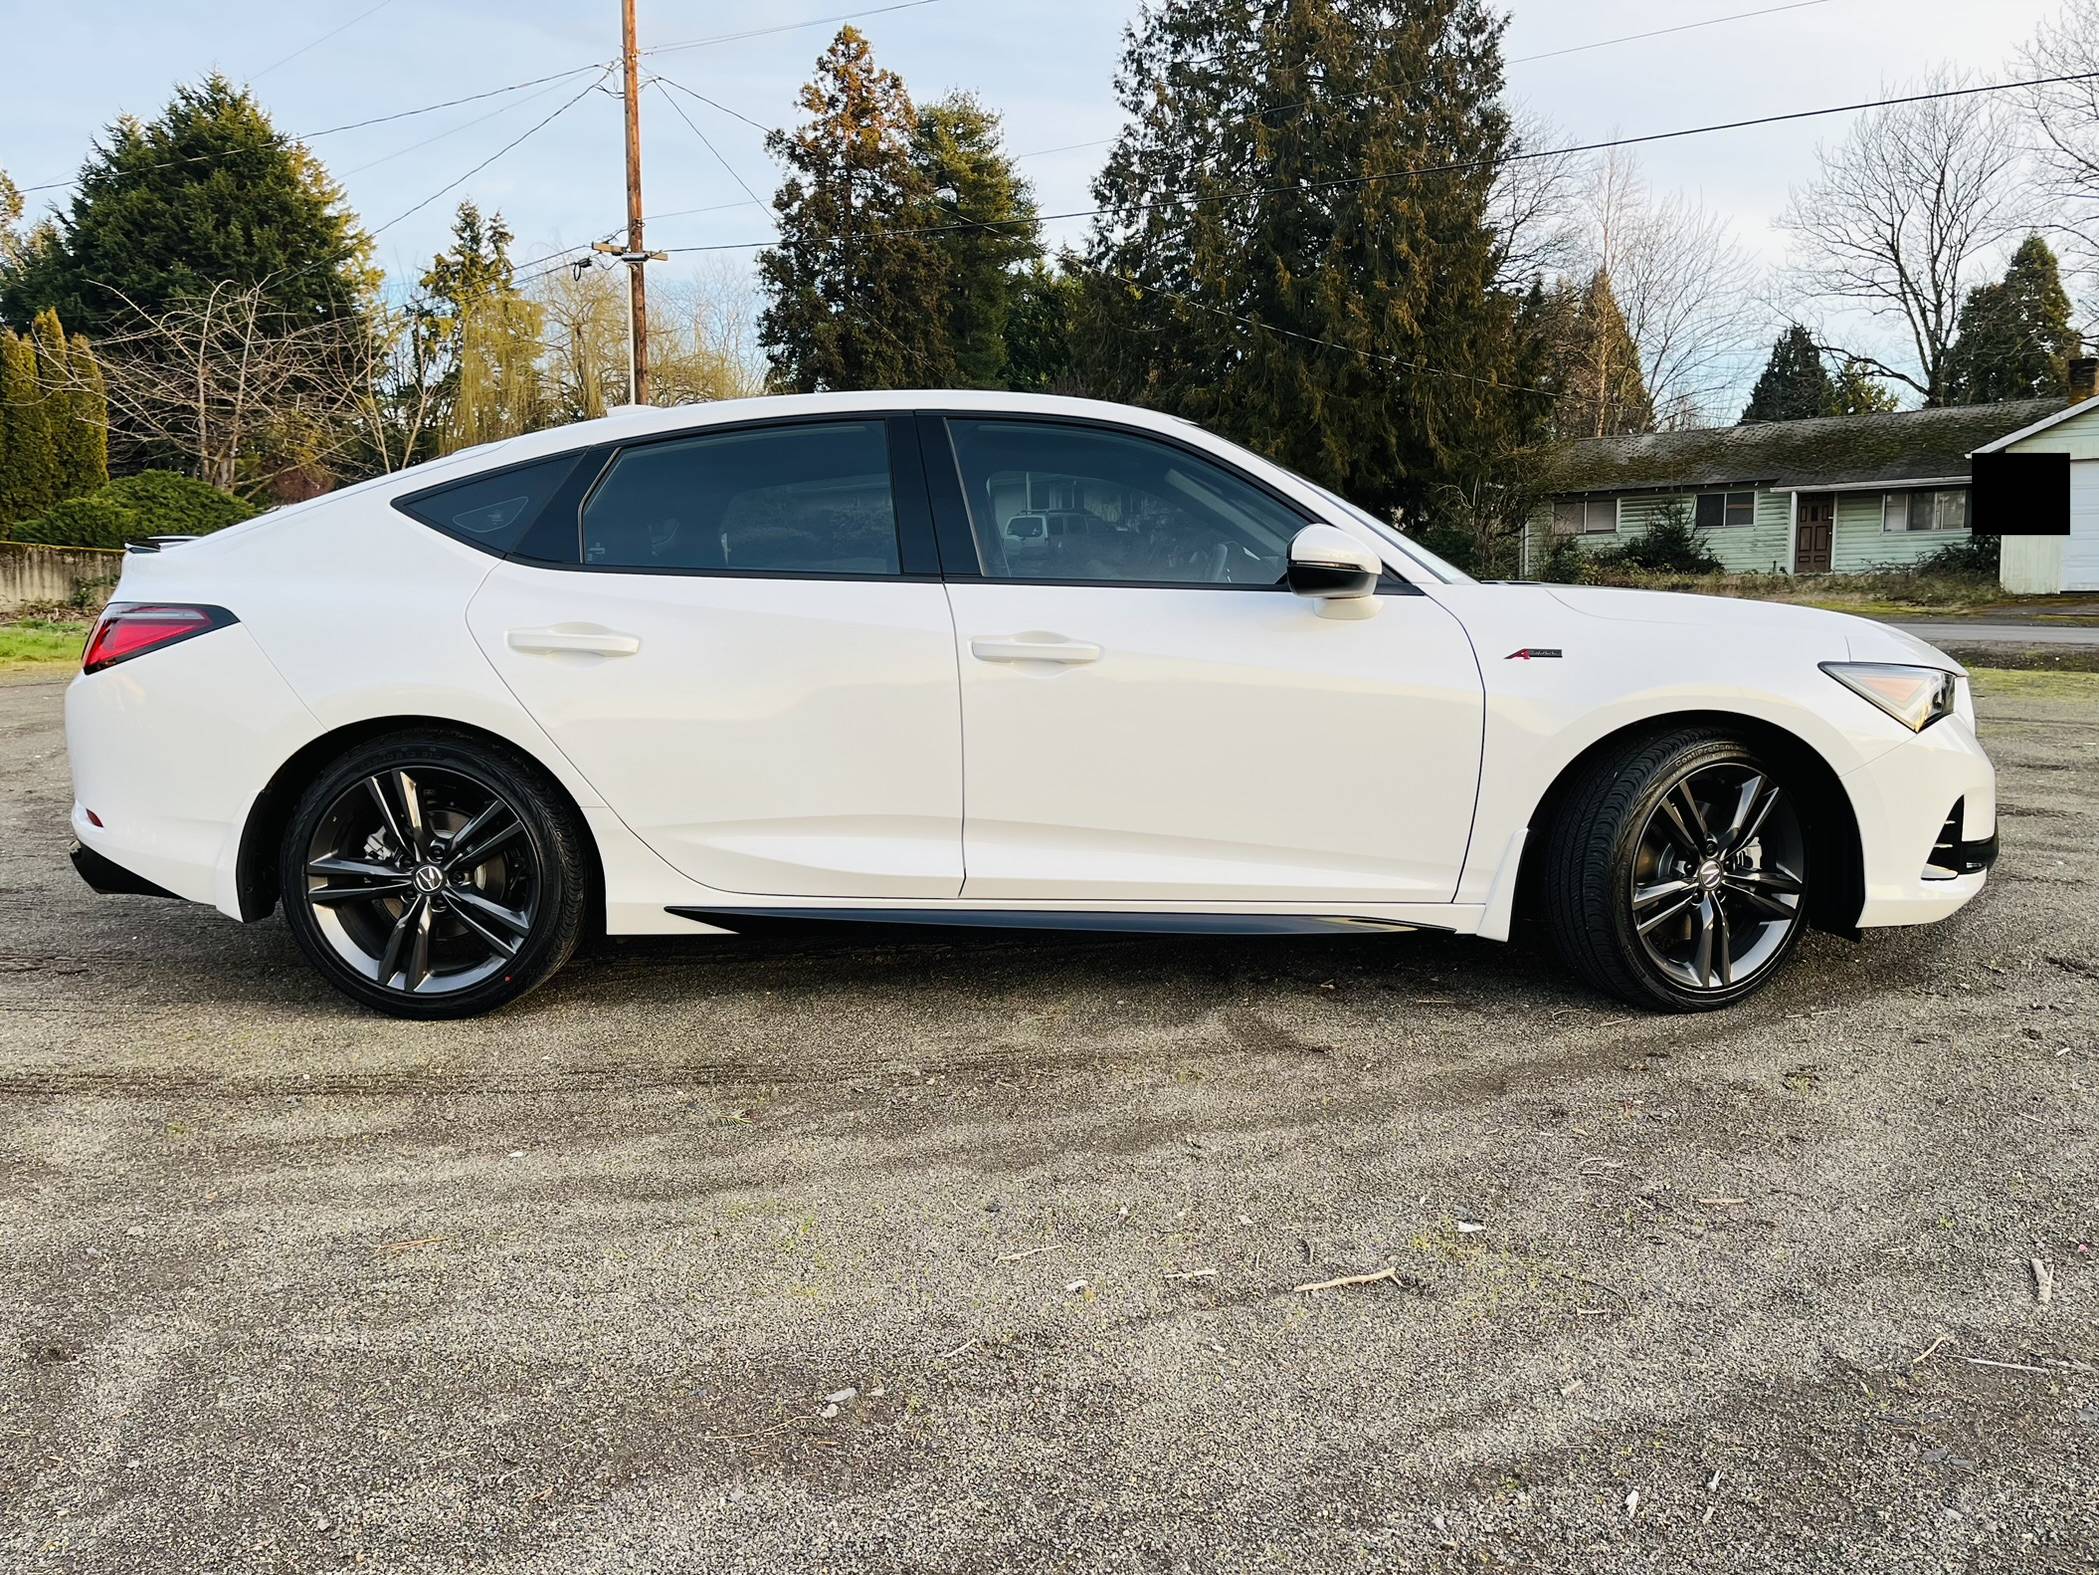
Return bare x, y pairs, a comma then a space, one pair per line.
1829, 636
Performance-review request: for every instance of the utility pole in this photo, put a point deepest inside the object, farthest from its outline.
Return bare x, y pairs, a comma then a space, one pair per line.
636, 257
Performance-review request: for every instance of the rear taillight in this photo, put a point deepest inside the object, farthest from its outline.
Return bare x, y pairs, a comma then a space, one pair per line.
131, 629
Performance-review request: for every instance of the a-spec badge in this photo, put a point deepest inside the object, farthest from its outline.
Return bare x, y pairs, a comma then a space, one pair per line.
1533, 653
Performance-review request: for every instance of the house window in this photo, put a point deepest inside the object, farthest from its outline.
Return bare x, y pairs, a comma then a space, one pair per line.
1946, 509
1721, 510
1585, 516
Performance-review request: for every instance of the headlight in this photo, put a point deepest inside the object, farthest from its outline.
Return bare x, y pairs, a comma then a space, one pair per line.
1914, 696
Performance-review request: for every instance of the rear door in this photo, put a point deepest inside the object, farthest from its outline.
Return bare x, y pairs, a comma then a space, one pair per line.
740, 638
1148, 714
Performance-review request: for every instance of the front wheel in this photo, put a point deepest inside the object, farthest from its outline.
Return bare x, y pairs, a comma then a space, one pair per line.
433, 875
1677, 872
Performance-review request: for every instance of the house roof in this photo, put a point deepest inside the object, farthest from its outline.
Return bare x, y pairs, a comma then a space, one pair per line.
1898, 446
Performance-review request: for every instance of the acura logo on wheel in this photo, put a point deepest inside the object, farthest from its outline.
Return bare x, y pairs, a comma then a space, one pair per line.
428, 878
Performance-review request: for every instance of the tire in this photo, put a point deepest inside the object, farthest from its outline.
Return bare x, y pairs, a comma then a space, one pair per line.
430, 874
1676, 873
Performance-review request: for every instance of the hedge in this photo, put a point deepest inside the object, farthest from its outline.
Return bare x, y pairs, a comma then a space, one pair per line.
131, 508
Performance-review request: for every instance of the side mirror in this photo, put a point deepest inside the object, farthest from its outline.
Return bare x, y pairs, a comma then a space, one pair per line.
1340, 572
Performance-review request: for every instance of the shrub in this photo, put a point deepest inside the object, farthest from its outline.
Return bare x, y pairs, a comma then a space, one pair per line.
1978, 555
1671, 544
92, 521
131, 508
1564, 562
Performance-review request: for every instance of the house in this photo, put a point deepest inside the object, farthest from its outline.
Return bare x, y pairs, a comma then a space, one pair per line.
1837, 493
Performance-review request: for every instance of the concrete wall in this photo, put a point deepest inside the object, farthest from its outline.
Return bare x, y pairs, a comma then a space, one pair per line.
30, 573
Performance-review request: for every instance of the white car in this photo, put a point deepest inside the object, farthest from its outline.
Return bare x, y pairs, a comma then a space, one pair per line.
689, 671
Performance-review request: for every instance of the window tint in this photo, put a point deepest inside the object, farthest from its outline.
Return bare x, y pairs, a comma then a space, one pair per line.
781, 500
1051, 502
493, 511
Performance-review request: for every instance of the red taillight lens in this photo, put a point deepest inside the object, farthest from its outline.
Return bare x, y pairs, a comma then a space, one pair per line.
131, 629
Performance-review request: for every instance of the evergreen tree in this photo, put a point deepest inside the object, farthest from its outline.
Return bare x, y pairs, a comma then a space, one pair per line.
165, 209
1265, 265
90, 417
855, 284
1604, 392
2015, 339
31, 480
1857, 392
1038, 329
986, 212
1794, 384
71, 407
480, 337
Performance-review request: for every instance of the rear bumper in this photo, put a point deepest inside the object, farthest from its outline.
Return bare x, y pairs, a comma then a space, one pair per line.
111, 878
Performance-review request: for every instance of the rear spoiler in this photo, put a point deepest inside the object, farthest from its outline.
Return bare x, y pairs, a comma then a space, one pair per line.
155, 543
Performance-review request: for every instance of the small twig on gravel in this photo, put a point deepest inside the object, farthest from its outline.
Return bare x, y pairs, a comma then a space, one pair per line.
1389, 1272
1191, 1274
949, 1356
1028, 1252
1926, 1354
1722, 1203
2043, 1281
2017, 1367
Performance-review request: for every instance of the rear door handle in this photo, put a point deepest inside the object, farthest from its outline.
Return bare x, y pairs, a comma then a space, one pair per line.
1034, 648
586, 639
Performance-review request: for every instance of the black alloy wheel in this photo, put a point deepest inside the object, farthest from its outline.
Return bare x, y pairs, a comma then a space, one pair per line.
433, 877
1676, 871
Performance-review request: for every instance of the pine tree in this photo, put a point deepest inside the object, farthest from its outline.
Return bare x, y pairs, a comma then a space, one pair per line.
986, 214
166, 209
1038, 329
481, 337
855, 284
2015, 338
1247, 274
1794, 384
71, 407
1605, 392
90, 416
1857, 392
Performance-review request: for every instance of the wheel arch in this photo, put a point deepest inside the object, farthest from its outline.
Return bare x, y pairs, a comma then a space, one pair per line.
1836, 846
255, 867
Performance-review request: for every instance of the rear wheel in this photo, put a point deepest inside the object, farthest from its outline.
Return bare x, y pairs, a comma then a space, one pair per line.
1677, 872
433, 875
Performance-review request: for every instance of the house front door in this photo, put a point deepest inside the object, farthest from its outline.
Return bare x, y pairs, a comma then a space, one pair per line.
1813, 535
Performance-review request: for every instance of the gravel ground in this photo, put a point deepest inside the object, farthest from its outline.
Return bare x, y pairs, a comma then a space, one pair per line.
751, 1257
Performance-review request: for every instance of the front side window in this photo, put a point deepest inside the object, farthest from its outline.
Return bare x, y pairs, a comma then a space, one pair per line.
494, 510
774, 500
1053, 502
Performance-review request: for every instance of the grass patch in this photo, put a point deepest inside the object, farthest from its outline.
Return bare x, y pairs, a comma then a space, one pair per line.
2005, 683
41, 647
1883, 593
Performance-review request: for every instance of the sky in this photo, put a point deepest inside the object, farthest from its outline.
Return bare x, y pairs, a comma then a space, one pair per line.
1047, 65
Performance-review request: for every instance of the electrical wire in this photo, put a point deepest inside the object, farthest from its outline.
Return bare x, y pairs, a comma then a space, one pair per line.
1660, 32
296, 53
787, 27
659, 83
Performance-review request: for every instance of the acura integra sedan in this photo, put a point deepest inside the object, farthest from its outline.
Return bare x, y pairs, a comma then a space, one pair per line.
972, 659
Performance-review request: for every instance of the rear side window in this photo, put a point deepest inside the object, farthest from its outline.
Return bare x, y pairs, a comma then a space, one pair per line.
809, 499
494, 510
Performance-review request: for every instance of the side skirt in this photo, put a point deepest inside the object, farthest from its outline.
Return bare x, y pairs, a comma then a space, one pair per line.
752, 920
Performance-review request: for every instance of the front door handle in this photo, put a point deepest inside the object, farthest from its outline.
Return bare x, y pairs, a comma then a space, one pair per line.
587, 639
1034, 648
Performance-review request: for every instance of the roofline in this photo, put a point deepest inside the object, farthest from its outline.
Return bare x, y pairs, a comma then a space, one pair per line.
1885, 484
2041, 425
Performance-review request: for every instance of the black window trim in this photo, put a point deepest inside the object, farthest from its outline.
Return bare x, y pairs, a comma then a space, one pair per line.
958, 541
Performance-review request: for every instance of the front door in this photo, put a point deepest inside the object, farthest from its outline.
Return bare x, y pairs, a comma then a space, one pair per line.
1814, 534
1148, 714
742, 663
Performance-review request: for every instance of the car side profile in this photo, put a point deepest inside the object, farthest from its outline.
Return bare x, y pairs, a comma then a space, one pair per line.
979, 659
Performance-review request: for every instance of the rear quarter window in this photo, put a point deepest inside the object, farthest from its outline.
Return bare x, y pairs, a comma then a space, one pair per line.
495, 509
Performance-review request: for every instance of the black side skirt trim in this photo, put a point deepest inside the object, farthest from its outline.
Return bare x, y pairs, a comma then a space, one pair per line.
111, 878
746, 920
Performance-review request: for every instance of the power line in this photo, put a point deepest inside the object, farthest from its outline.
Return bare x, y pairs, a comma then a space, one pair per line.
302, 49
787, 27
453, 131
661, 83
353, 125
1456, 166
733, 114
1659, 32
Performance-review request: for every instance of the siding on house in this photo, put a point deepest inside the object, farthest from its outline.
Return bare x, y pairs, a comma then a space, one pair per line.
1758, 548
2078, 437
1861, 544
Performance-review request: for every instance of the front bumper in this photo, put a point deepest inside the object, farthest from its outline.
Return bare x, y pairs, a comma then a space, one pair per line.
1906, 801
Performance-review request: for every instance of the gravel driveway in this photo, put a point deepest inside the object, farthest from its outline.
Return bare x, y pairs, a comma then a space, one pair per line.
981, 1256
